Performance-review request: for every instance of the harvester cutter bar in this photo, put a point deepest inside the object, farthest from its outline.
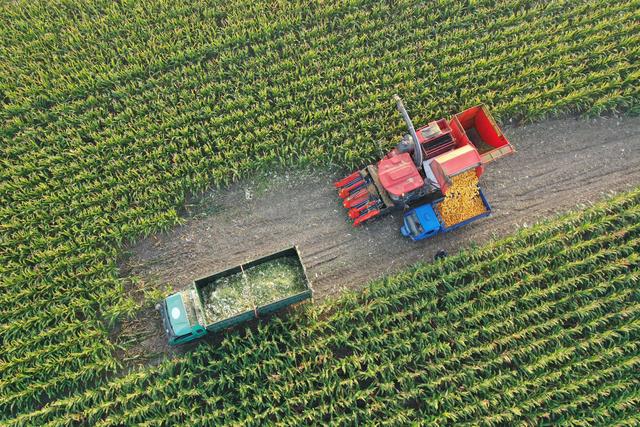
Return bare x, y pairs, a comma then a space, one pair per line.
358, 211
352, 186
362, 195
344, 182
362, 218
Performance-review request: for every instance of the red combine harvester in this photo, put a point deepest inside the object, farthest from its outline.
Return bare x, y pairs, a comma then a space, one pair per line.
419, 169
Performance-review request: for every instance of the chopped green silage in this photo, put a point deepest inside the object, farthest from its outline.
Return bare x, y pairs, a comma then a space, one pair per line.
263, 284
275, 280
226, 297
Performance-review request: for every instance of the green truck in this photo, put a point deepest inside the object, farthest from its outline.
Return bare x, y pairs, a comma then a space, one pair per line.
236, 295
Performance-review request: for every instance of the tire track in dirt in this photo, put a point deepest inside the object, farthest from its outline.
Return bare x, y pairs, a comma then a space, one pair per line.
558, 165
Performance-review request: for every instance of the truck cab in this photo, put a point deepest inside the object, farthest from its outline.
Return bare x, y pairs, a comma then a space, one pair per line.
182, 316
420, 223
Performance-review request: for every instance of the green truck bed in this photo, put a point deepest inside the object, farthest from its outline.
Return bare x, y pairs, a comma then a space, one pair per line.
236, 295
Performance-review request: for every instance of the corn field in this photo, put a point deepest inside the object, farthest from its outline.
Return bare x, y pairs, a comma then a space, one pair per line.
543, 326
111, 113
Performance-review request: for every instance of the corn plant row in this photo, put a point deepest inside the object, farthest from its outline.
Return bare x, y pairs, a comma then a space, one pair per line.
622, 216
497, 21
315, 392
387, 346
32, 199
566, 325
239, 20
64, 122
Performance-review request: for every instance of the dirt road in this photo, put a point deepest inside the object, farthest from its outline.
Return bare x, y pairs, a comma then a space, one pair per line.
558, 165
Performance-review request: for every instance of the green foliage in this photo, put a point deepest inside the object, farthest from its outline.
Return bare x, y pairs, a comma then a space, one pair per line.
153, 295
111, 112
542, 326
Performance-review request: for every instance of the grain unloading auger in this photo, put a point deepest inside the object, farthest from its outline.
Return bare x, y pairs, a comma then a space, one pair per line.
418, 172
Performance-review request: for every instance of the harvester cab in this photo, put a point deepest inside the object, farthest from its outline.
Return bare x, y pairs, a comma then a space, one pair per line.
420, 169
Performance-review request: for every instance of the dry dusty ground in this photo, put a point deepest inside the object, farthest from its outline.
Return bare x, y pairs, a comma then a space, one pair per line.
558, 166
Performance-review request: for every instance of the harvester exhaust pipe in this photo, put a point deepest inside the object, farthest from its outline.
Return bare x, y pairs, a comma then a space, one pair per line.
417, 152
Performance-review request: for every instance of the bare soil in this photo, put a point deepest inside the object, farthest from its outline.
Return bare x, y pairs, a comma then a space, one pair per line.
559, 165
